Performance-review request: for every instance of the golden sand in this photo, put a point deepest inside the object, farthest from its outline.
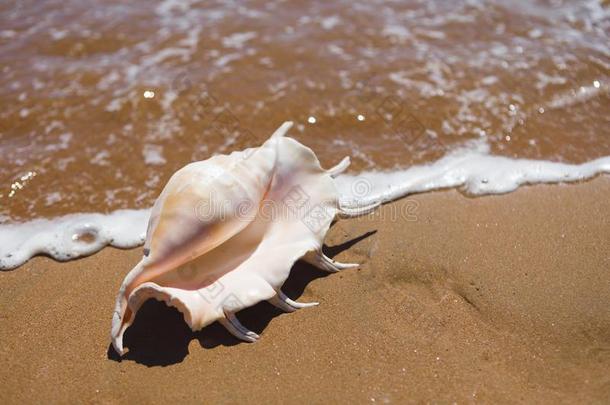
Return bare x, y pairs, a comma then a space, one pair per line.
493, 299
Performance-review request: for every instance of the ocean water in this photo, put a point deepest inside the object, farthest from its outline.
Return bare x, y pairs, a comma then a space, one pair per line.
100, 102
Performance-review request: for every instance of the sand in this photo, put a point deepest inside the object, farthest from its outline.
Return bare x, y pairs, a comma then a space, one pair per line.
492, 299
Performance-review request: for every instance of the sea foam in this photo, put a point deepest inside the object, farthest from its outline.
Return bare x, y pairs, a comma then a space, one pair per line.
71, 236
471, 169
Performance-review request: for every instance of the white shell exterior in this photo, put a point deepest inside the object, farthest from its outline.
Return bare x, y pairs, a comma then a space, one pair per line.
225, 232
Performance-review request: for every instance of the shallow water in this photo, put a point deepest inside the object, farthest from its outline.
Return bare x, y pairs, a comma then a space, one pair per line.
101, 102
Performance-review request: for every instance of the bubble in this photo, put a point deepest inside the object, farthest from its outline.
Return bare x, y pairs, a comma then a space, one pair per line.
86, 234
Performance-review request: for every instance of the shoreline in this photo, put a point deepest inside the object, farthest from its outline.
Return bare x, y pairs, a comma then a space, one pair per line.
469, 169
495, 299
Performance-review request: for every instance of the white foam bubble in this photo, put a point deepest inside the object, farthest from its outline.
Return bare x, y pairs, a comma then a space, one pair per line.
153, 155
238, 39
71, 236
470, 168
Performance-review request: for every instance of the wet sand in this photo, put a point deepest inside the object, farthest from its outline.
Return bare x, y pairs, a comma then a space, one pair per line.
493, 299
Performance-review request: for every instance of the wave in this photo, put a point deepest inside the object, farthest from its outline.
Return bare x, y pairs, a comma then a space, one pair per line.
471, 169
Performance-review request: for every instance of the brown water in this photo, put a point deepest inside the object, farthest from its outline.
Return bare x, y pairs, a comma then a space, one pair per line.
101, 101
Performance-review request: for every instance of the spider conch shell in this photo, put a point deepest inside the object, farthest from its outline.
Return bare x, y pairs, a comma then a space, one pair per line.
225, 232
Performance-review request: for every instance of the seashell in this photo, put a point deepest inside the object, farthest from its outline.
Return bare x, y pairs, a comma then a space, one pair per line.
225, 232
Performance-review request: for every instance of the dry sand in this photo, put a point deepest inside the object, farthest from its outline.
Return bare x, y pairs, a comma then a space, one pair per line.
493, 299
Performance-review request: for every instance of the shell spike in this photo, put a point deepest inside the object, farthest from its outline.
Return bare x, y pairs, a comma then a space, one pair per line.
294, 304
277, 302
282, 130
323, 262
281, 301
336, 266
339, 167
232, 324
